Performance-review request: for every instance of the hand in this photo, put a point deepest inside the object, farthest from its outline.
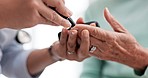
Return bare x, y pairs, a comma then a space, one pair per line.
119, 46
67, 48
27, 13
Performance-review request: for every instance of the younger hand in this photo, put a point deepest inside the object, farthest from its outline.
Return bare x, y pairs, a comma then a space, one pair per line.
27, 13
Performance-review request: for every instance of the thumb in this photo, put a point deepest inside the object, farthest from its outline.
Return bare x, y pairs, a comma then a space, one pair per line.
113, 22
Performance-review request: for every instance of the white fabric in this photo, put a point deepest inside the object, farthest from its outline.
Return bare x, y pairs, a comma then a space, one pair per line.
12, 56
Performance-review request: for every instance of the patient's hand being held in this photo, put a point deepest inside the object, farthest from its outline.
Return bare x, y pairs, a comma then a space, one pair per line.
66, 48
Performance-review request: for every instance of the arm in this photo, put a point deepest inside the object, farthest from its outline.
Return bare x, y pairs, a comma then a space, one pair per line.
39, 59
27, 13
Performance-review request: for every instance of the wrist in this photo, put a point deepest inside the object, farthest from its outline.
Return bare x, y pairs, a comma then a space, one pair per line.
140, 72
143, 64
54, 57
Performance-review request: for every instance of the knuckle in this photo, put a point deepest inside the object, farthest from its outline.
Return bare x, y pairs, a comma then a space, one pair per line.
71, 38
95, 32
62, 43
53, 16
62, 22
70, 45
59, 3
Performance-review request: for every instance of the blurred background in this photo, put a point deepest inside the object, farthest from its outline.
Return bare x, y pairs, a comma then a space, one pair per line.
44, 35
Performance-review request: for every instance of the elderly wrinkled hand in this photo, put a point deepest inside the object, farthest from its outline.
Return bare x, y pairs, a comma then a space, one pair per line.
118, 45
27, 13
66, 47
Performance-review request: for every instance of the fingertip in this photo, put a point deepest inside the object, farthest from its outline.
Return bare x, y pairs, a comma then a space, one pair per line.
64, 30
113, 22
80, 20
93, 24
106, 13
85, 33
72, 32
106, 10
63, 36
66, 24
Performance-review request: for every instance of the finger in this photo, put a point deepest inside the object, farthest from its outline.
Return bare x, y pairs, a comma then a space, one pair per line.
98, 52
71, 45
84, 46
80, 21
63, 38
93, 24
52, 16
113, 22
97, 43
61, 50
63, 1
103, 50
60, 7
95, 32
49, 23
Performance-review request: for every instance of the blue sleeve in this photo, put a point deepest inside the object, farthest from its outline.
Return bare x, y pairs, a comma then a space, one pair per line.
14, 57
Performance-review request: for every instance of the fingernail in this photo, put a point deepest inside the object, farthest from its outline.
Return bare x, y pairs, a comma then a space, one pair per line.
93, 24
70, 13
107, 10
85, 33
67, 24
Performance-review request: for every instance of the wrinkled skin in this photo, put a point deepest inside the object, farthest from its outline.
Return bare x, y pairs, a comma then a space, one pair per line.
68, 42
19, 14
118, 45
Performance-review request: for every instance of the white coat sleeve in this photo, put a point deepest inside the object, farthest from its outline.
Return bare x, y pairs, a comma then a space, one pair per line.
14, 57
